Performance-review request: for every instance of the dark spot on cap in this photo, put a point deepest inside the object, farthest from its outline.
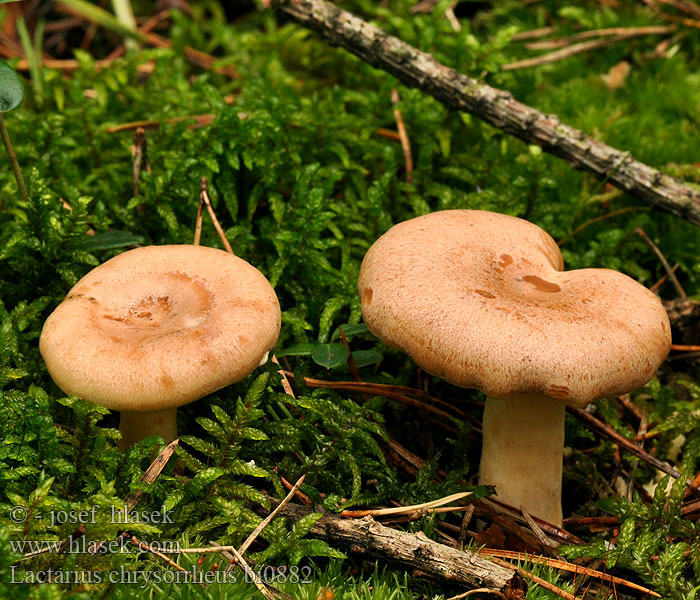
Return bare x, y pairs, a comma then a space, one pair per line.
542, 284
367, 297
560, 392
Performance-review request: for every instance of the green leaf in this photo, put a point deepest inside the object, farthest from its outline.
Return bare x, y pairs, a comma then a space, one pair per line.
11, 90
364, 358
109, 240
304, 525
329, 355
256, 390
302, 349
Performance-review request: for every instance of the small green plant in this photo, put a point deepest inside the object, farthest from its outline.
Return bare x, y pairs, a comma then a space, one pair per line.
11, 96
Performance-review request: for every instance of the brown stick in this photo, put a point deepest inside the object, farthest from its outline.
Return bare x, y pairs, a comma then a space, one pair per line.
627, 32
437, 561
669, 271
403, 137
563, 53
204, 200
497, 107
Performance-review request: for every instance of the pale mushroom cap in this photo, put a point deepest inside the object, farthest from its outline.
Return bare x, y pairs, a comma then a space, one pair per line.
160, 326
481, 300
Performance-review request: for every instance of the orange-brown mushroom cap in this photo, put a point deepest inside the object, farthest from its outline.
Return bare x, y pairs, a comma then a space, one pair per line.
481, 299
160, 326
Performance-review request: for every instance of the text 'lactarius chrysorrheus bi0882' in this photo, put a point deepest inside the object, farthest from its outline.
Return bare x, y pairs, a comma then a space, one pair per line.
481, 299
158, 327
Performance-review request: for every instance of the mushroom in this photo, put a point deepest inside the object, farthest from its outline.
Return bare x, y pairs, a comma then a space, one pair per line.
481, 299
158, 327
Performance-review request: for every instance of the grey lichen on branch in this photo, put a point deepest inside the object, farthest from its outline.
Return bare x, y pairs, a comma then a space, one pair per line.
432, 559
497, 107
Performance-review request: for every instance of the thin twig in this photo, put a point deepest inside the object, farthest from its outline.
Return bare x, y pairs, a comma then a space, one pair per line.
138, 150
395, 392
403, 136
194, 56
286, 386
655, 288
566, 566
148, 26
204, 199
464, 526
400, 510
452, 18
152, 473
251, 575
495, 592
599, 218
685, 348
532, 34
147, 548
686, 7
266, 521
563, 53
198, 224
352, 365
627, 32
607, 432
532, 577
298, 493
537, 530
664, 262
200, 121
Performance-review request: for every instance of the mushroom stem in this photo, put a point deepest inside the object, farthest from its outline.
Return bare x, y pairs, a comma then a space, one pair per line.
137, 425
522, 453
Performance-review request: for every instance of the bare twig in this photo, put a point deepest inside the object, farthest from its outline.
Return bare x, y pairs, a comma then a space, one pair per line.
537, 530
297, 492
200, 121
664, 262
396, 392
566, 566
655, 288
147, 548
286, 386
204, 199
685, 348
613, 213
497, 107
152, 473
532, 34
140, 156
403, 136
250, 574
464, 525
266, 521
563, 53
607, 432
535, 579
194, 56
626, 32
478, 591
401, 510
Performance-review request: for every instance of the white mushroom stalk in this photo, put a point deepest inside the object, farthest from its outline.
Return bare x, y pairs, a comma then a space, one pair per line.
481, 299
158, 327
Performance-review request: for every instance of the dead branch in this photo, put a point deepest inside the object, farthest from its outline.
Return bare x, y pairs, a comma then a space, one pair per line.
496, 107
437, 561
